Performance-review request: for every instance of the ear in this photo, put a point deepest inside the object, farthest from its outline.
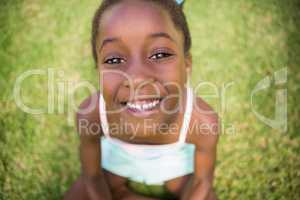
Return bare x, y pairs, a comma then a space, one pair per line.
188, 62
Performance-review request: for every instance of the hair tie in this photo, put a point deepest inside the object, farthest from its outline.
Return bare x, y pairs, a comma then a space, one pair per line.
179, 2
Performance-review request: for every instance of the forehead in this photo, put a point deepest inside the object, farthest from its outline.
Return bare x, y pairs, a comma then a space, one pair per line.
136, 17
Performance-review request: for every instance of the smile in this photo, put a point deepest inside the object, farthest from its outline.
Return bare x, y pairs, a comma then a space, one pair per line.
141, 106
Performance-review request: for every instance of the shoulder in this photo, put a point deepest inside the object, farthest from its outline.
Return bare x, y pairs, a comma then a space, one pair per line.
87, 115
204, 124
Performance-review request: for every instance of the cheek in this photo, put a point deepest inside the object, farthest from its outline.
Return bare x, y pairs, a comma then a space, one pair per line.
109, 85
173, 73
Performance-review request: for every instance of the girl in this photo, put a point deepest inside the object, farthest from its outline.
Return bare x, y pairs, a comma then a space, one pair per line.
146, 115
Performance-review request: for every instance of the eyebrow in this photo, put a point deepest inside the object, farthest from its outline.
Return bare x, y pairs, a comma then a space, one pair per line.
153, 36
108, 40
163, 35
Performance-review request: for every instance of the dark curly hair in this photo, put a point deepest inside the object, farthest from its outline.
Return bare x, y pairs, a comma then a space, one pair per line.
175, 11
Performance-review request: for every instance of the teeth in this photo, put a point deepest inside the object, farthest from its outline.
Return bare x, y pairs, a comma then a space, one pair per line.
141, 106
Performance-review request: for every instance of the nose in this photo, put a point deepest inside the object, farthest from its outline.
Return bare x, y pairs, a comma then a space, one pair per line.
138, 82
139, 75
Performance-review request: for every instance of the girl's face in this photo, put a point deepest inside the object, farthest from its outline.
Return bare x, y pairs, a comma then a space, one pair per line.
142, 65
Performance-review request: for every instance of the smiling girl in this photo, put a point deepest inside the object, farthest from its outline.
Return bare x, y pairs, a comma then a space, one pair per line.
142, 51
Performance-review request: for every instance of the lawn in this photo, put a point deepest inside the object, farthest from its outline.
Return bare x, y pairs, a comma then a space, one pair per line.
236, 44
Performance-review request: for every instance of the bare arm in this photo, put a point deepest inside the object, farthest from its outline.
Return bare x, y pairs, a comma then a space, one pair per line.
94, 180
95, 183
200, 186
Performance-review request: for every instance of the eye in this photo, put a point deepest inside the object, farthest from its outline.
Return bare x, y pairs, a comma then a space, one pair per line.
160, 55
114, 61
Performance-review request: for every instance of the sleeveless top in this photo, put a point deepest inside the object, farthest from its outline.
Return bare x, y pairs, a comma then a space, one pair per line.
150, 164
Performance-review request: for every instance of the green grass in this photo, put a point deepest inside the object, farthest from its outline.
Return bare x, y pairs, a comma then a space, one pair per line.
233, 41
